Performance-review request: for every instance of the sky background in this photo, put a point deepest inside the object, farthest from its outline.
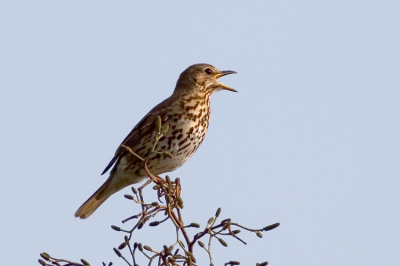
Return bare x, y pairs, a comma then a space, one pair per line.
311, 140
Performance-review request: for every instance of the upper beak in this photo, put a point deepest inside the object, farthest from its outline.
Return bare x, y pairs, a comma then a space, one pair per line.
224, 73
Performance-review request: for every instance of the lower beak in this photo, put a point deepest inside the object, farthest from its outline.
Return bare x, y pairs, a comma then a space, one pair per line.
224, 73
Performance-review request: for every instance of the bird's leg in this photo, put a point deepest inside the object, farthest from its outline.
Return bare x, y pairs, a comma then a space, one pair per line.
141, 194
144, 185
156, 179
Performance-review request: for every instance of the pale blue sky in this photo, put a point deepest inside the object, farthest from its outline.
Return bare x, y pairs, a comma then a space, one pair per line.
311, 140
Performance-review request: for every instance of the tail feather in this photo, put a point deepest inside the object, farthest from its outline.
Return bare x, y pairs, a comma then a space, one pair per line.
114, 183
93, 202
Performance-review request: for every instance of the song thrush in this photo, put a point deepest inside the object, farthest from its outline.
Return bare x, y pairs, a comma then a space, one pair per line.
186, 112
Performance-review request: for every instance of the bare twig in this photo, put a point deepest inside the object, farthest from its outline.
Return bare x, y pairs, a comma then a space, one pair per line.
168, 191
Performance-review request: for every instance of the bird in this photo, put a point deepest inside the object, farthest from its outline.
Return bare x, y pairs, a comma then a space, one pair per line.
186, 113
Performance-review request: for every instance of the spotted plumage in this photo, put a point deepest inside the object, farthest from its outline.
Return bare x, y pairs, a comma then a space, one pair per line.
186, 112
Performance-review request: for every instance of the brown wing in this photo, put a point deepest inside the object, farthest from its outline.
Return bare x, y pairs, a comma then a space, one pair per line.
146, 125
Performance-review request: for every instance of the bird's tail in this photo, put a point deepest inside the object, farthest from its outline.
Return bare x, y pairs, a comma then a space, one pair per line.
100, 196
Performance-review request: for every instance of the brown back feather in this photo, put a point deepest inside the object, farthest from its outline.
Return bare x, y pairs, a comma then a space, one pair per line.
146, 125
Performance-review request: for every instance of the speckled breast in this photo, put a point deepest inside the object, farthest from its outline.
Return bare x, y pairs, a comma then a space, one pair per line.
187, 131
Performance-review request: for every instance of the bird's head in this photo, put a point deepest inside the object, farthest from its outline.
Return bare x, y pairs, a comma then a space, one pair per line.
202, 78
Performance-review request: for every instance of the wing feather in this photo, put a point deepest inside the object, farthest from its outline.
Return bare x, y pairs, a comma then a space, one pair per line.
146, 125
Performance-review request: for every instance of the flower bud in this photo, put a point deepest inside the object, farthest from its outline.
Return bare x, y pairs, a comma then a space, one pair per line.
194, 225
226, 225
180, 201
165, 129
158, 124
155, 223
270, 227
225, 221
122, 246
148, 248
85, 262
218, 212
45, 256
117, 252
222, 242
201, 244
116, 228
167, 154
130, 197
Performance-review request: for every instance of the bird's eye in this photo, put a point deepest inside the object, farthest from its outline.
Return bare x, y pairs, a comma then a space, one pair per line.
208, 71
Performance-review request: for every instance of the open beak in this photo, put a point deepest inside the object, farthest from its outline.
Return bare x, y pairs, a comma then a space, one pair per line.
224, 73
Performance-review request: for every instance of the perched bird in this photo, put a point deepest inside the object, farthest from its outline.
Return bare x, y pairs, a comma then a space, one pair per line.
186, 112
